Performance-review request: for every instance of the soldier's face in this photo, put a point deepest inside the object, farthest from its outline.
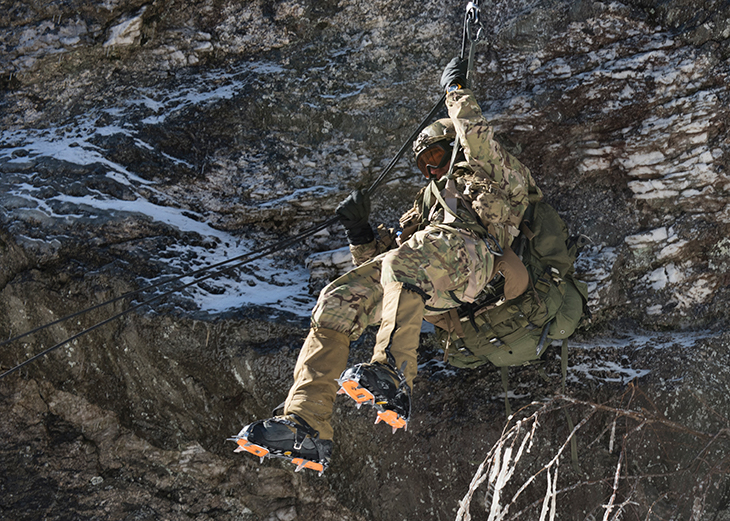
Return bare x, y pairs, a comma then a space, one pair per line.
438, 173
434, 161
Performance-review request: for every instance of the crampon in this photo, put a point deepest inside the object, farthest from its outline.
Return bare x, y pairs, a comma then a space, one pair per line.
289, 439
382, 387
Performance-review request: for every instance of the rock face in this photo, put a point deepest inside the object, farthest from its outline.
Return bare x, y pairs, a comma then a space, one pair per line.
144, 141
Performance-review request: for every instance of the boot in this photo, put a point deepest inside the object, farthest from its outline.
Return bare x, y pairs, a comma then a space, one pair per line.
381, 386
386, 382
287, 437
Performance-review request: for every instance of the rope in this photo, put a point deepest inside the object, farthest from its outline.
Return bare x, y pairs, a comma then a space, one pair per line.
253, 256
471, 34
241, 259
407, 144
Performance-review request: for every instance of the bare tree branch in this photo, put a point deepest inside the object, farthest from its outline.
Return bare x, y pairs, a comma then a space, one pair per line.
691, 459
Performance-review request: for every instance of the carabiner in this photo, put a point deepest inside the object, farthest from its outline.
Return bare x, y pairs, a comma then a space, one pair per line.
498, 252
472, 20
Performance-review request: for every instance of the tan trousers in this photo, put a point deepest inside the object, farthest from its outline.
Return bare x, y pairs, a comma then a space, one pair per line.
321, 361
400, 329
390, 290
323, 357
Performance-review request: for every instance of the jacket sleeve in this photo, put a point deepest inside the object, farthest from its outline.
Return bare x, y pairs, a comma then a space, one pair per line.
513, 187
384, 241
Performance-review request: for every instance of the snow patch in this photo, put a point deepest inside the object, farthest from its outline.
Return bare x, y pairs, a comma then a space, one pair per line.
261, 283
648, 239
645, 158
626, 370
328, 265
654, 310
606, 371
700, 291
439, 367
672, 250
661, 277
594, 267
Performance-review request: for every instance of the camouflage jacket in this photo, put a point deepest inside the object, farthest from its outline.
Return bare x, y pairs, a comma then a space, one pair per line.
490, 183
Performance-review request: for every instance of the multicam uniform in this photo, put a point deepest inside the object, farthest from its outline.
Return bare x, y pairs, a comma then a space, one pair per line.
446, 259
491, 181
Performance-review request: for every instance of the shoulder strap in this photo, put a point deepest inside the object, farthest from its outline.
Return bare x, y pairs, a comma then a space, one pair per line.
433, 199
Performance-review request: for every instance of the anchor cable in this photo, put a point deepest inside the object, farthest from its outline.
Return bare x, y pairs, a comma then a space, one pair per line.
470, 34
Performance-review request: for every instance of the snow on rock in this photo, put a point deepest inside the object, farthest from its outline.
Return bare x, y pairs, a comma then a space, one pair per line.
648, 239
594, 267
699, 292
27, 199
668, 153
661, 277
617, 363
326, 266
665, 242
670, 156
608, 97
687, 288
23, 49
207, 130
674, 250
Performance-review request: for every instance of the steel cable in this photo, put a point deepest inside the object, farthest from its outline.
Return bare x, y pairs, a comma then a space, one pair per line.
241, 259
470, 20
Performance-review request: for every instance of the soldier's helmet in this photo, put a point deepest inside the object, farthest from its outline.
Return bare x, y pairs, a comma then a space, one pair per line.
433, 145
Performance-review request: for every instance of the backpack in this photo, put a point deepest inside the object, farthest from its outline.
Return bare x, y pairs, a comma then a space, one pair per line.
518, 331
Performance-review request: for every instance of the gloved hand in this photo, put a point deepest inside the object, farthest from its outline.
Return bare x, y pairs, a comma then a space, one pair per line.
455, 73
354, 213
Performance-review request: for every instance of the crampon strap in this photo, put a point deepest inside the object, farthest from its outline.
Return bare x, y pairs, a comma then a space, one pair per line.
351, 385
302, 431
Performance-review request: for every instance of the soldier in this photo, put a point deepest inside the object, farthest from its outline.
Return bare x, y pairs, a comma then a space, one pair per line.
454, 239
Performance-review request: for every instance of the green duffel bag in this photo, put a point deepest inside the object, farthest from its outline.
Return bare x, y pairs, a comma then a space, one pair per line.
518, 331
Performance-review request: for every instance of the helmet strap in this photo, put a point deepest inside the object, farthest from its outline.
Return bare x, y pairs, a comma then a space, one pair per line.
431, 175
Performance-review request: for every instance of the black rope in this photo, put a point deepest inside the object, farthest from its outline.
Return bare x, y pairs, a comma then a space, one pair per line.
261, 253
274, 248
241, 259
471, 20
406, 145
243, 256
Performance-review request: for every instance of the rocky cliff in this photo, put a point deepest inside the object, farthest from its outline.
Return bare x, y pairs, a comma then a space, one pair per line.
143, 141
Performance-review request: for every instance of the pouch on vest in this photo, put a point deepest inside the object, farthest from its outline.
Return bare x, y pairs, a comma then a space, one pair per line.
518, 331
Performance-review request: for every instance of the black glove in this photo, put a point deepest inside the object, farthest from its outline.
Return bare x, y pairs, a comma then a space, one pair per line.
455, 73
354, 213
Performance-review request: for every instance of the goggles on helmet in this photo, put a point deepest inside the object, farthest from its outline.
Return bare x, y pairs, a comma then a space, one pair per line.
434, 157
